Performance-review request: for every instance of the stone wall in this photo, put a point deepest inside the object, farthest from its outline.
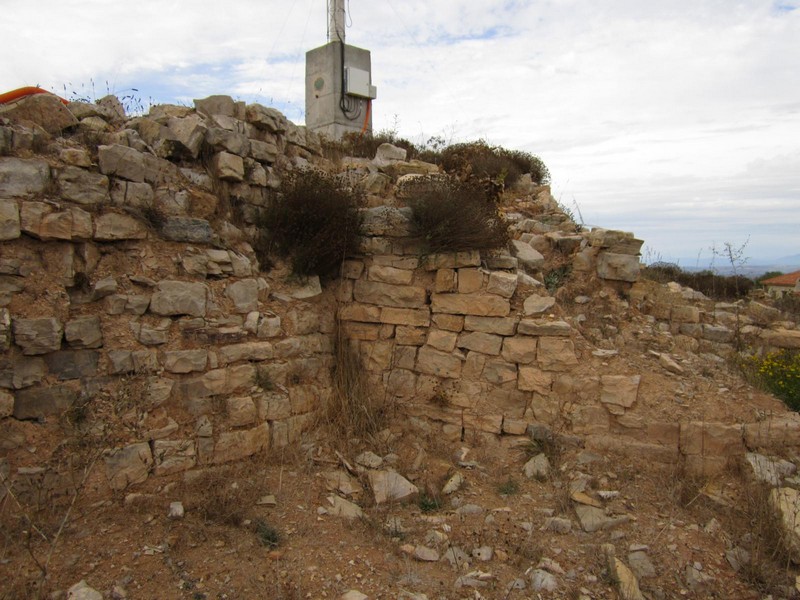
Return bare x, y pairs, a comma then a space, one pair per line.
130, 300
129, 292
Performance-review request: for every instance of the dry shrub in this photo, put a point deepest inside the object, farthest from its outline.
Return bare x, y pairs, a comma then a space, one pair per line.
354, 408
452, 216
313, 219
479, 159
220, 496
756, 526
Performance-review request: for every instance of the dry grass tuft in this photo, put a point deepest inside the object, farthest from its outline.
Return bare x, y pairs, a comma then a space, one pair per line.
354, 408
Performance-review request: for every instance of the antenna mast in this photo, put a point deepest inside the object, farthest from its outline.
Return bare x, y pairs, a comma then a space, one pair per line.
336, 21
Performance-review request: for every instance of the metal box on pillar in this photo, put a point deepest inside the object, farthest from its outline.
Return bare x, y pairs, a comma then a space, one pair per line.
339, 90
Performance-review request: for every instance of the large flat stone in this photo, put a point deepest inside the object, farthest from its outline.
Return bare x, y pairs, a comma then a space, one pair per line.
173, 298
113, 227
38, 403
482, 305
128, 466
386, 294
20, 177
435, 362
38, 336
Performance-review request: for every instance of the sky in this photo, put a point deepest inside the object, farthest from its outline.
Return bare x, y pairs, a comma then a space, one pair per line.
678, 120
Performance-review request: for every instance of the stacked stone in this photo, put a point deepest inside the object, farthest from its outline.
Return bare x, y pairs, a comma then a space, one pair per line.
442, 327
95, 300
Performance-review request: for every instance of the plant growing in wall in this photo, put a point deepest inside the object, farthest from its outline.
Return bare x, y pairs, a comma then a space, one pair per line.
451, 216
313, 220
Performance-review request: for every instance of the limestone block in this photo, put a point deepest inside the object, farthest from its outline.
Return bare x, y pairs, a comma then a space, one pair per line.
387, 154
152, 335
782, 338
519, 349
685, 314
390, 275
479, 304
535, 304
20, 177
128, 465
72, 364
82, 186
111, 227
365, 313
385, 294
173, 298
619, 392
173, 456
122, 161
452, 260
390, 486
229, 141
529, 258
386, 221
251, 351
434, 362
352, 269
406, 316
274, 407
556, 354
84, 332
38, 336
499, 372
263, 152
269, 326
532, 379
45, 110
445, 281
38, 403
485, 343
542, 327
410, 336
496, 325
9, 220
244, 295
618, 267
405, 357
185, 361
773, 432
236, 445
501, 283
448, 322
18, 373
717, 333
402, 383
302, 321
125, 361
355, 330
711, 439
469, 280
303, 345
187, 229
6, 405
215, 105
227, 167
189, 131
240, 411
266, 118
442, 340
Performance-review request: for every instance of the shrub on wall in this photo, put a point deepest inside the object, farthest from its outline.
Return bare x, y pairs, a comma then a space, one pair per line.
495, 163
313, 220
451, 216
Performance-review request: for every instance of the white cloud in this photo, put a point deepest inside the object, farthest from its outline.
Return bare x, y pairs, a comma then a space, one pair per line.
678, 120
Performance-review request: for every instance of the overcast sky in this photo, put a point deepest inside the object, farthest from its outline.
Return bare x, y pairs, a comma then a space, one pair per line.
678, 120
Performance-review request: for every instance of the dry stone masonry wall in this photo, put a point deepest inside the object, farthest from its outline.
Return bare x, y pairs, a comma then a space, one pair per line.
127, 283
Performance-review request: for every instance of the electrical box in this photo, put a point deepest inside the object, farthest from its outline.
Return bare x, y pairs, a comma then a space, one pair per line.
357, 83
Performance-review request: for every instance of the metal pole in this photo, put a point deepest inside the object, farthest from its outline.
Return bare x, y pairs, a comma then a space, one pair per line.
336, 20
